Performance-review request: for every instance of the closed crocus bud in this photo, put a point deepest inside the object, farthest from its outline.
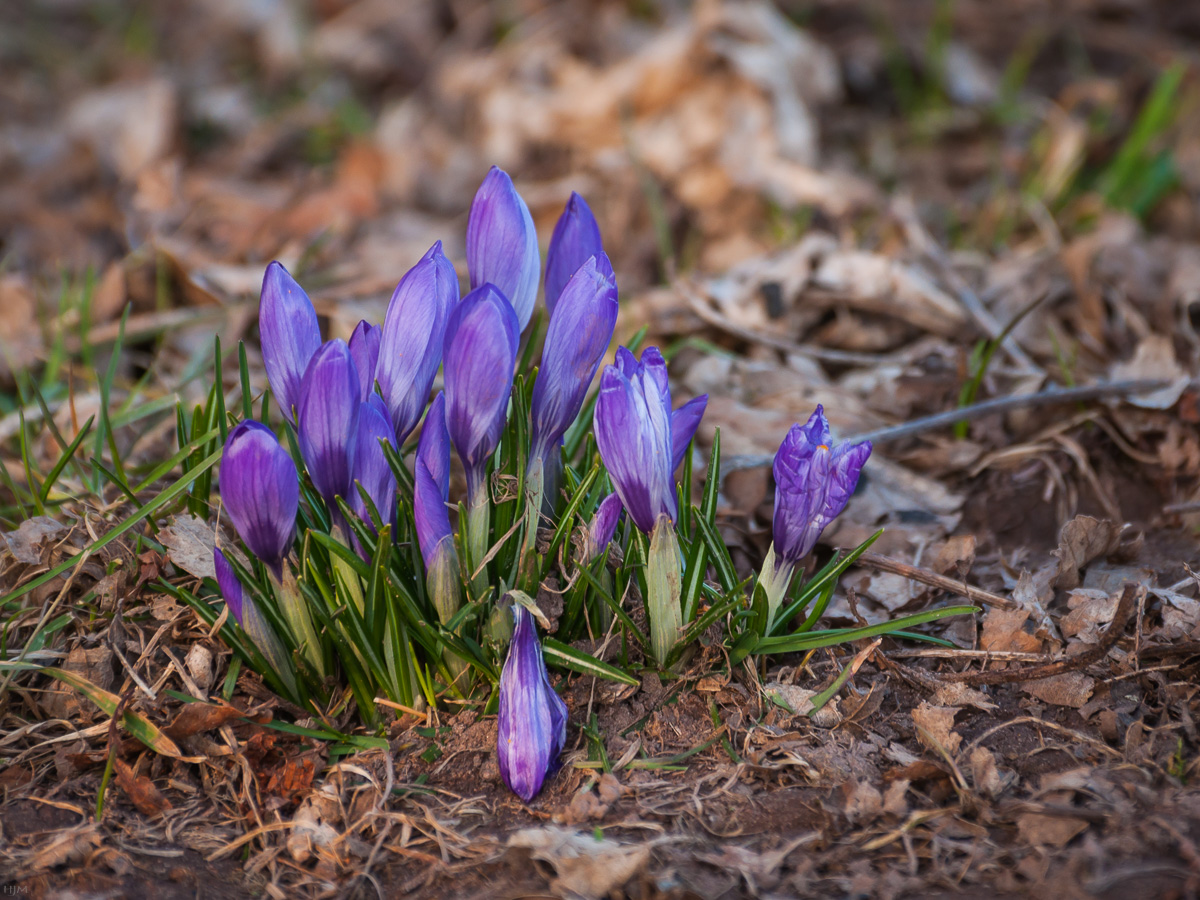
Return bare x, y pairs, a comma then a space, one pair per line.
576, 238
371, 468
364, 350
579, 333
636, 434
261, 492
684, 422
481, 350
813, 483
533, 718
329, 411
289, 333
603, 525
413, 338
432, 483
502, 246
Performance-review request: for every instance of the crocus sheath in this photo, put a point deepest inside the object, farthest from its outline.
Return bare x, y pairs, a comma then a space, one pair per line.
813, 483
290, 335
413, 337
576, 238
580, 330
533, 718
502, 245
261, 491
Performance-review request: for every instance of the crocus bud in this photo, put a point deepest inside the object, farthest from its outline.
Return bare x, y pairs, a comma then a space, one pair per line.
603, 525
371, 468
290, 335
364, 350
260, 491
576, 238
414, 331
684, 422
251, 620
502, 246
329, 410
636, 434
481, 350
579, 333
533, 718
813, 483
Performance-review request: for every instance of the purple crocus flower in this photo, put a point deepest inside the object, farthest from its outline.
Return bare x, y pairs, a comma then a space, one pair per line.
533, 718
329, 411
604, 525
371, 468
289, 333
580, 330
638, 435
576, 238
432, 484
251, 620
481, 350
261, 491
812, 485
231, 588
502, 245
364, 350
414, 331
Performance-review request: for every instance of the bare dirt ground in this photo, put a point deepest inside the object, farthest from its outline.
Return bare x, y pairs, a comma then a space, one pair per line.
844, 203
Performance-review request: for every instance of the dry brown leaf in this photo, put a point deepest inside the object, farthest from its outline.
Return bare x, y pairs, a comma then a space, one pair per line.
956, 556
128, 126
195, 718
586, 867
189, 541
1154, 358
25, 544
20, 336
1081, 540
955, 693
1003, 630
1049, 831
984, 773
140, 790
935, 727
71, 845
1070, 689
1091, 610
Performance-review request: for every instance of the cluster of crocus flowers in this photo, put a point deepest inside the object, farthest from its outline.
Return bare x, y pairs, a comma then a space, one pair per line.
813, 484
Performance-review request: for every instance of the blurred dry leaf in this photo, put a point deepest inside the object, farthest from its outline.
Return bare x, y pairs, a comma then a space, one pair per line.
1081, 540
128, 126
25, 544
586, 867
1070, 689
141, 791
190, 541
1153, 359
20, 336
935, 727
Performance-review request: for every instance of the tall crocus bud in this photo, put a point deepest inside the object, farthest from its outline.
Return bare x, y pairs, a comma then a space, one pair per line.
431, 490
329, 411
364, 350
603, 526
636, 434
684, 422
414, 331
371, 468
290, 335
251, 620
260, 491
813, 483
502, 246
579, 333
533, 718
576, 238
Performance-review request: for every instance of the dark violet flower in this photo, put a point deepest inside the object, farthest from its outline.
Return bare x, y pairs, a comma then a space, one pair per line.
231, 587
812, 485
533, 718
576, 238
290, 335
414, 331
328, 412
481, 350
432, 483
371, 468
364, 350
261, 491
502, 245
579, 333
636, 434
604, 525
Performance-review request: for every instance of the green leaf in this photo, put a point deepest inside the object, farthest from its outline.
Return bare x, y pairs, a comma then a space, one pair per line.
579, 661
798, 643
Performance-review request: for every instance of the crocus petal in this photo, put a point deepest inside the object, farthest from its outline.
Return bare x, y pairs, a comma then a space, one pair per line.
633, 433
364, 349
684, 422
371, 468
481, 350
414, 331
604, 524
260, 490
290, 335
576, 238
533, 718
579, 333
329, 409
502, 246
431, 487
813, 484
231, 587
434, 447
